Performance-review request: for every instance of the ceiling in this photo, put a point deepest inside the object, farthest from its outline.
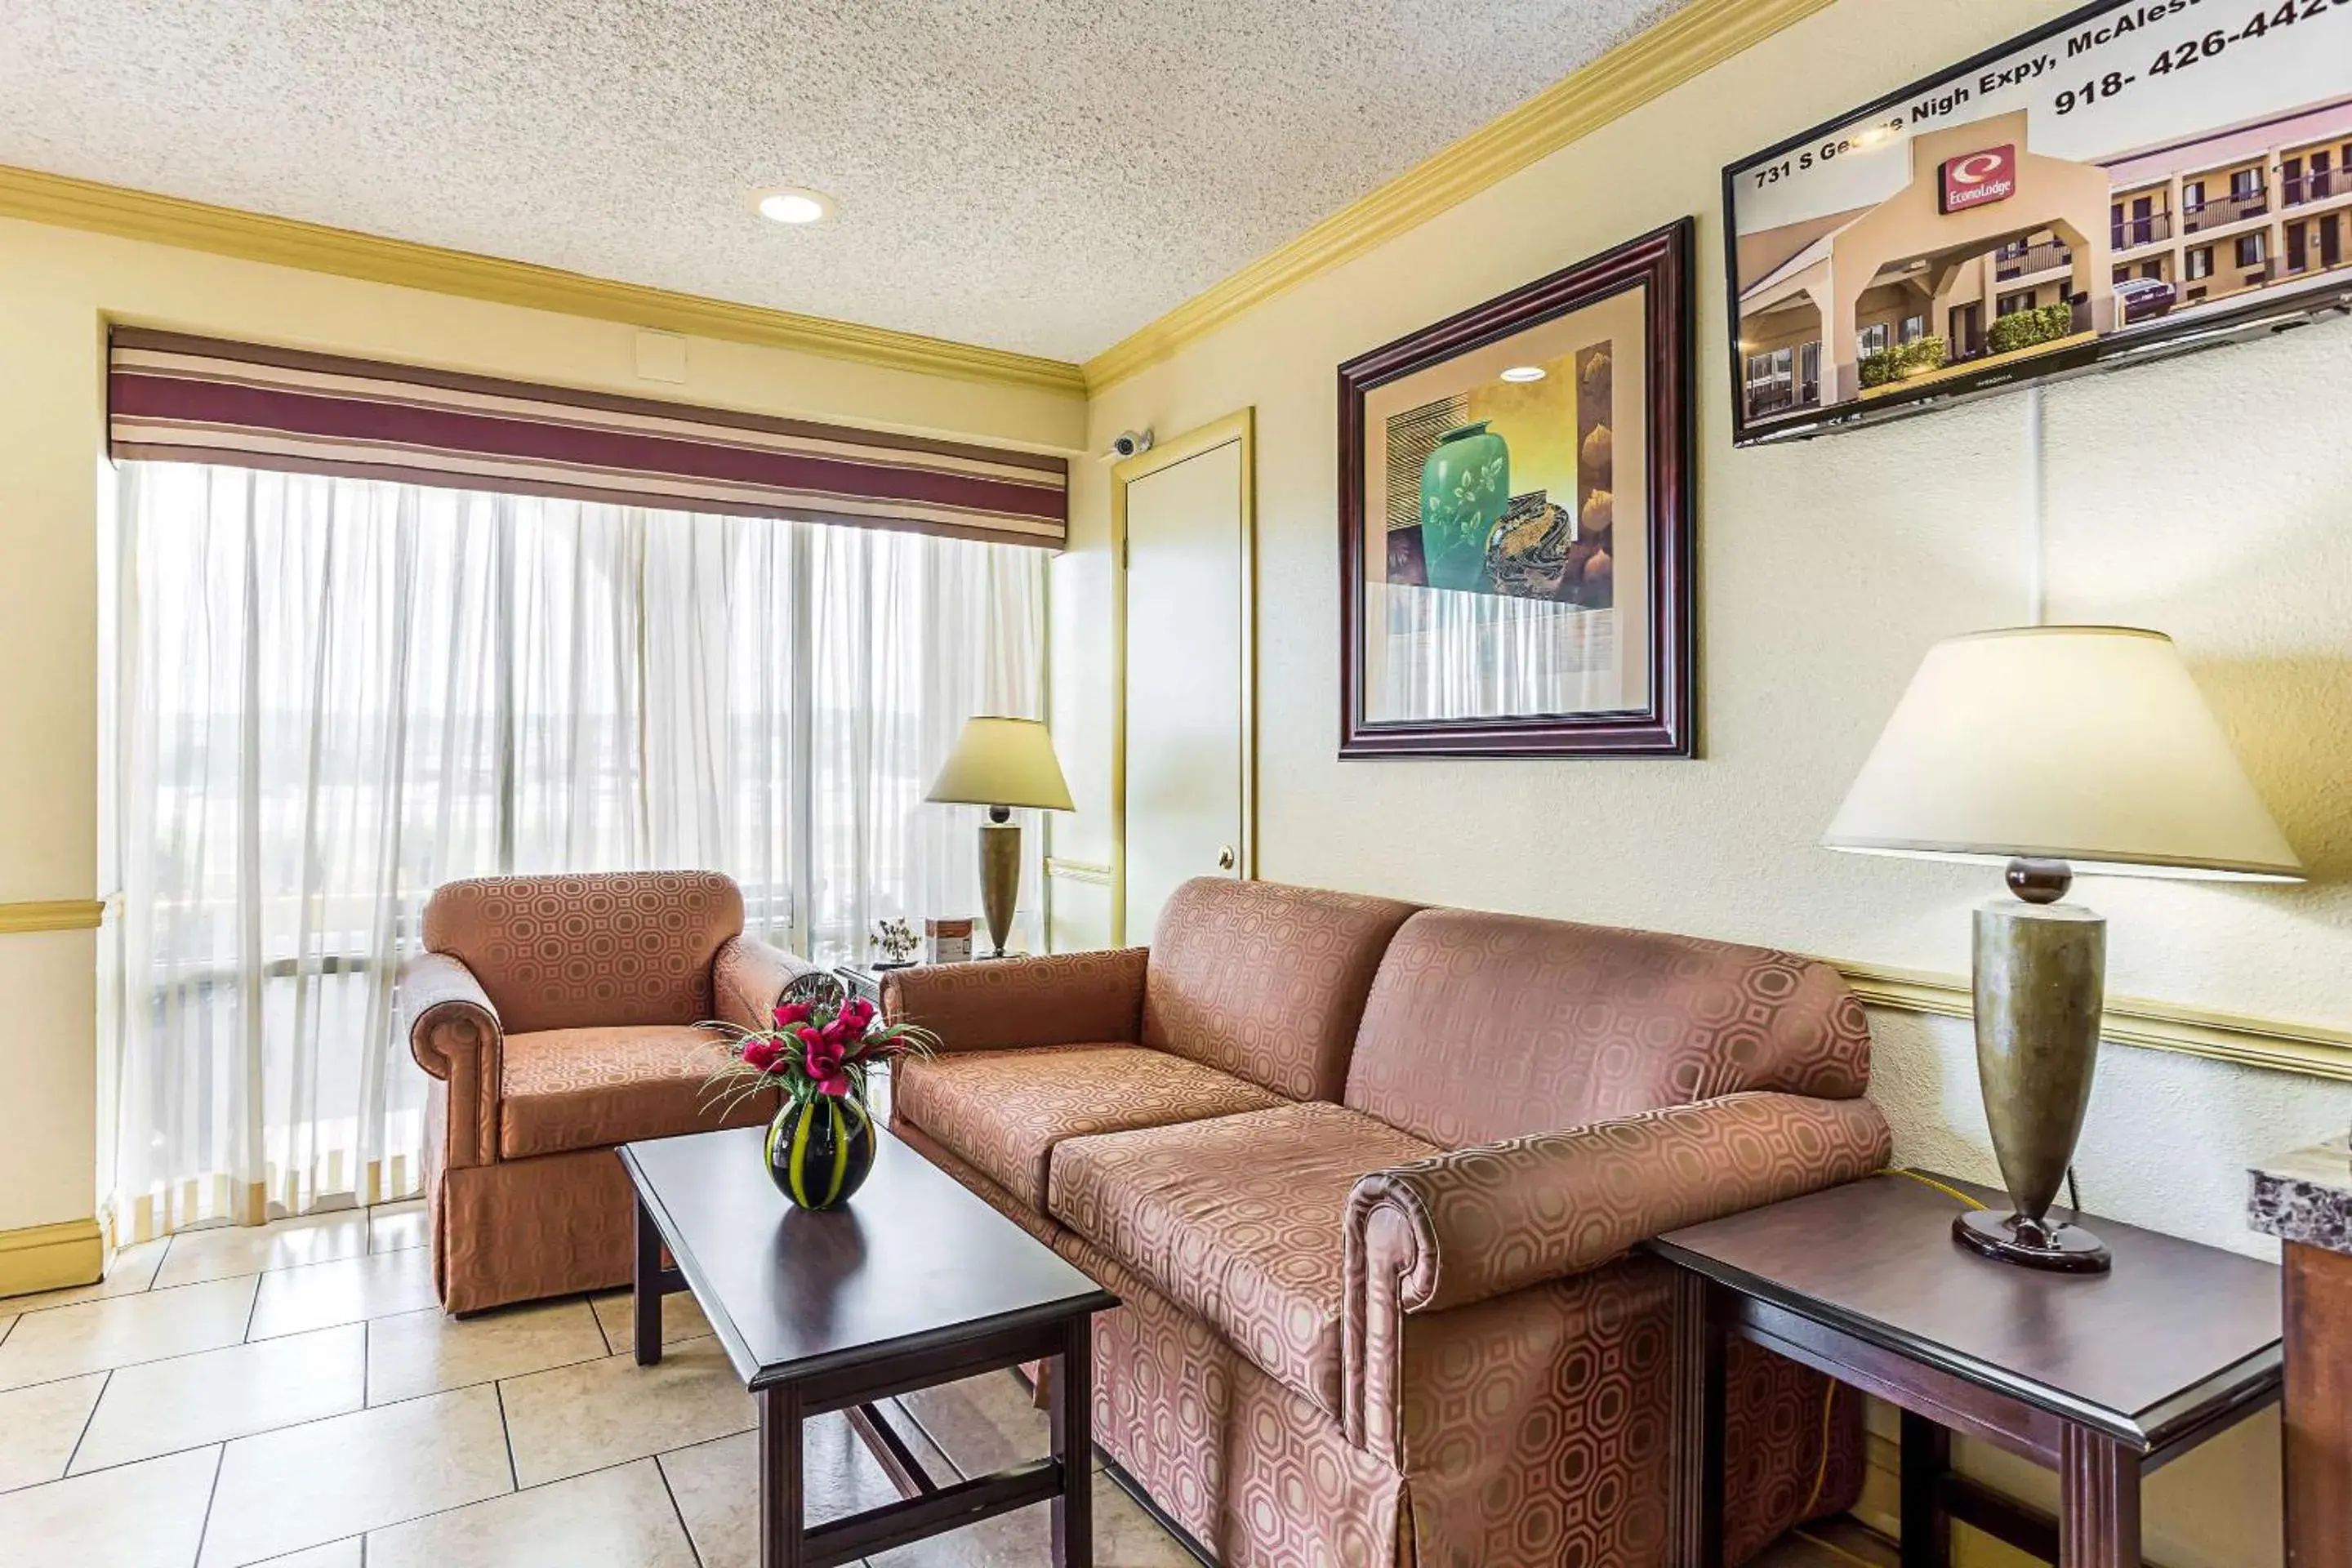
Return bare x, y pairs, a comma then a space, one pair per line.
1043, 176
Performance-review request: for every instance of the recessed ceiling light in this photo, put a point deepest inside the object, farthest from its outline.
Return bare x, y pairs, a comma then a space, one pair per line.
793, 204
1524, 372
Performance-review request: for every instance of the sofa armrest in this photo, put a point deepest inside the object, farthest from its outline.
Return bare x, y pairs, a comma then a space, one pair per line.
748, 980
1479, 1223
1066, 999
455, 1034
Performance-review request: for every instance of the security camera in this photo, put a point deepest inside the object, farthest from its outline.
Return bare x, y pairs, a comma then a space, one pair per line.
1128, 443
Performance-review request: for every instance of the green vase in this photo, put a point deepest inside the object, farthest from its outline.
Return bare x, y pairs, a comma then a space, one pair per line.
820, 1149
1466, 489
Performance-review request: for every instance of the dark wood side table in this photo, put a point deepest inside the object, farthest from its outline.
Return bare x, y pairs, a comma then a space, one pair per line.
2103, 1377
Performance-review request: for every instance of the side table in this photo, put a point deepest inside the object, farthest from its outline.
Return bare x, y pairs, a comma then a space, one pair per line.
2103, 1377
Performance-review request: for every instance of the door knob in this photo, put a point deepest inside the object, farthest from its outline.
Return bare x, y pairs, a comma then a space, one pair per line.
1225, 856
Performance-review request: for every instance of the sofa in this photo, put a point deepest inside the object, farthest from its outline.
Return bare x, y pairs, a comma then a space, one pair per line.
1368, 1179
559, 1016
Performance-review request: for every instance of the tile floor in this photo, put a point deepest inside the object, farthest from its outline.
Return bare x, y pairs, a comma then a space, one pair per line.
292, 1395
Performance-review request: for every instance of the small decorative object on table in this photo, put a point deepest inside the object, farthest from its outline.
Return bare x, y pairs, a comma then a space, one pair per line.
820, 1146
951, 940
895, 940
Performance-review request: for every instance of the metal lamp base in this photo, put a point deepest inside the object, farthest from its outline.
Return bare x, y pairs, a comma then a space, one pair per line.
2052, 1244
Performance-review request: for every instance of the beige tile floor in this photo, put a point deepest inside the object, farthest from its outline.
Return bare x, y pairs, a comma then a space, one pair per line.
290, 1396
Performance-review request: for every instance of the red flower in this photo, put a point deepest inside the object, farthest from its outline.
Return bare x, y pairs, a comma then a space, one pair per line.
793, 1012
763, 1055
823, 1061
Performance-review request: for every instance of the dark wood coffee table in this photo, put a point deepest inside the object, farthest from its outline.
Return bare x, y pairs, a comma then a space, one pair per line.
916, 1282
2102, 1377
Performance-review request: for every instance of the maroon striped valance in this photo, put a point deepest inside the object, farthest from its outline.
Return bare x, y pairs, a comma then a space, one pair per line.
198, 400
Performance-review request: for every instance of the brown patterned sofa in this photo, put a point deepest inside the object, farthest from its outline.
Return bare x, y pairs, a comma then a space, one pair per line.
1366, 1177
559, 1016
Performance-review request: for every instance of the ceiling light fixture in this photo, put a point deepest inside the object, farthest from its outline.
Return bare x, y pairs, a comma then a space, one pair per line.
793, 204
1524, 372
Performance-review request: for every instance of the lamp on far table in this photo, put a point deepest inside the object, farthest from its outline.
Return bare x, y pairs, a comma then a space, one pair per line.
1002, 763
2049, 748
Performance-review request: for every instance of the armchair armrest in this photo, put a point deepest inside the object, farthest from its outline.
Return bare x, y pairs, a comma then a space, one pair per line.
455, 1034
748, 979
1066, 999
1479, 1223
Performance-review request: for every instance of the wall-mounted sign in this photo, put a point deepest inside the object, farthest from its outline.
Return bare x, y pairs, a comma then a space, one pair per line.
2136, 177
1975, 179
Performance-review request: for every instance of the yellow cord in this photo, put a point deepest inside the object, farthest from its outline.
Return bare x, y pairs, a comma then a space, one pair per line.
1829, 1396
1931, 1181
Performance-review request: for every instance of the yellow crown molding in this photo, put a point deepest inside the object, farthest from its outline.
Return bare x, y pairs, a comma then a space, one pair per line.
2315, 1050
1696, 39
50, 1257
69, 202
51, 914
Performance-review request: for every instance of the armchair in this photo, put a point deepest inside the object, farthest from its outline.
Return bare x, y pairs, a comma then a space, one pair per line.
559, 1016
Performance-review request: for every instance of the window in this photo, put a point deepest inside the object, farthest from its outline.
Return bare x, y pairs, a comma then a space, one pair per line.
2192, 194
1809, 371
2250, 249
2011, 304
1770, 381
330, 695
2200, 263
2245, 185
1872, 339
1914, 329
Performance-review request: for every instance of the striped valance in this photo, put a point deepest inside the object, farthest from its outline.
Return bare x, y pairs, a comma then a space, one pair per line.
198, 400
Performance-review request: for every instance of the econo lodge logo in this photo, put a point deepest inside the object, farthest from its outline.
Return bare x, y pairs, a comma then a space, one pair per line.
1975, 178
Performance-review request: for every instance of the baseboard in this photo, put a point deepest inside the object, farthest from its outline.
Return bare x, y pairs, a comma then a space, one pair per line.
51, 1257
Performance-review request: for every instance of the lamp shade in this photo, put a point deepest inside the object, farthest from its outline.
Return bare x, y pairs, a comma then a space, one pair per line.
2088, 744
1003, 762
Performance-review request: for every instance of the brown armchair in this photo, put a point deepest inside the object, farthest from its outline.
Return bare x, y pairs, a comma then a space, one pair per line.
559, 1016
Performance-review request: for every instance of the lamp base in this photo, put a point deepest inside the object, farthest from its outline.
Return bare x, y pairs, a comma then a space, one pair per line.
2053, 1244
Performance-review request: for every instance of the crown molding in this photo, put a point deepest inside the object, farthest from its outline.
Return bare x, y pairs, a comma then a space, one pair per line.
2315, 1050
51, 914
67, 203
1693, 39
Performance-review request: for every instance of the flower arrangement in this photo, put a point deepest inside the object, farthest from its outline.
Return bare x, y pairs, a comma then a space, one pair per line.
819, 1046
897, 942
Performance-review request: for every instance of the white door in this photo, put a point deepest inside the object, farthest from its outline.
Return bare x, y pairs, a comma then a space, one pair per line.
1186, 705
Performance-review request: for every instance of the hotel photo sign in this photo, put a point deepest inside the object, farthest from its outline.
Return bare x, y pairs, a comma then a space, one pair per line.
2131, 173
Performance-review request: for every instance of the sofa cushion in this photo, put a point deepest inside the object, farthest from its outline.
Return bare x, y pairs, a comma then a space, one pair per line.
1003, 1112
1543, 1025
1263, 981
578, 952
1238, 1220
585, 1088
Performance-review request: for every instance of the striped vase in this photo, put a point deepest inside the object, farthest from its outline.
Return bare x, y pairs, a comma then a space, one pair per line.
820, 1148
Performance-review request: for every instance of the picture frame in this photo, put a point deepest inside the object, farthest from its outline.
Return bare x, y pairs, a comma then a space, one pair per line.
1516, 521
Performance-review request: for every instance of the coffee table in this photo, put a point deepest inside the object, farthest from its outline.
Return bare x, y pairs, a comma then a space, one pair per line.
916, 1282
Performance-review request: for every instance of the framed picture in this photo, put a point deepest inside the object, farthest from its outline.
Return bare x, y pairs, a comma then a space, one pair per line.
1515, 521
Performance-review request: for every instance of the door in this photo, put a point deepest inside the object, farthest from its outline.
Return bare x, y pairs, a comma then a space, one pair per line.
2331, 246
1183, 608
1967, 331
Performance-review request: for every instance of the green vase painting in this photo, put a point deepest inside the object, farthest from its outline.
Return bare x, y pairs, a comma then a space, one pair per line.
1466, 490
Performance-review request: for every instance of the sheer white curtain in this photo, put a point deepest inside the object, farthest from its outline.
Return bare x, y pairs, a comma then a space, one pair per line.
328, 696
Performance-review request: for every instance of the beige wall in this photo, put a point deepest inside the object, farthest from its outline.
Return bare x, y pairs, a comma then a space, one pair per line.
57, 290
2185, 496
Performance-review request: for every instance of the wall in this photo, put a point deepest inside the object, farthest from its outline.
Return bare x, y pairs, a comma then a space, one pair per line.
2210, 498
57, 290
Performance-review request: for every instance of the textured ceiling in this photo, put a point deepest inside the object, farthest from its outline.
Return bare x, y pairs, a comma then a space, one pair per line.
1043, 176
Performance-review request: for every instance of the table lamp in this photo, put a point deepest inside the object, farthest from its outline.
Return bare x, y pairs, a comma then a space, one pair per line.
1000, 764
2048, 748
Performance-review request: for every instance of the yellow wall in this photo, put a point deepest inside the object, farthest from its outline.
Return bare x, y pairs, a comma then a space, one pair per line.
2212, 498
57, 290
